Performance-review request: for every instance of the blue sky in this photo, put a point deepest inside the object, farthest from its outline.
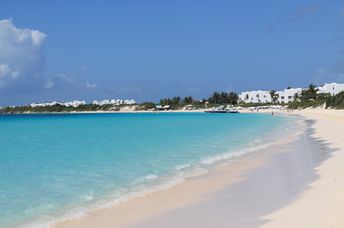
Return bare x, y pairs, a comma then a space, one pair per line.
148, 50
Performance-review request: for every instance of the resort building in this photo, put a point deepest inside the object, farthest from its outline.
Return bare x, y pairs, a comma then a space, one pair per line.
74, 103
258, 96
115, 102
332, 88
286, 95
67, 104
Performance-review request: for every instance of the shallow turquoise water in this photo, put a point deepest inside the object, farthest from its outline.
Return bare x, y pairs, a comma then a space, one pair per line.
57, 165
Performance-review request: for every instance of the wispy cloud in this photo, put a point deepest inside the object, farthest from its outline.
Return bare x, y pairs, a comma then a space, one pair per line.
307, 9
58, 81
299, 14
68, 82
89, 85
303, 11
335, 73
271, 29
337, 38
273, 26
123, 89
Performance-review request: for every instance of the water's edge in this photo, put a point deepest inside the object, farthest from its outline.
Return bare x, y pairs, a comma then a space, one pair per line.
182, 173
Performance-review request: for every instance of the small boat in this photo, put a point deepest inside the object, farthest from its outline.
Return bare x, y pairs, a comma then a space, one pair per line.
232, 111
215, 111
221, 110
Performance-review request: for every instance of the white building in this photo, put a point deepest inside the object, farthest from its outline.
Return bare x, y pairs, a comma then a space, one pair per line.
44, 104
286, 95
103, 102
67, 104
114, 102
258, 96
74, 103
332, 88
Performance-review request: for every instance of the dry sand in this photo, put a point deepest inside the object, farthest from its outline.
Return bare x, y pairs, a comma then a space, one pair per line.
322, 205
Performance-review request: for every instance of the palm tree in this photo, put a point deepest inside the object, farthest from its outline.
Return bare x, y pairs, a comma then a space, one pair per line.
312, 88
296, 97
176, 100
188, 100
232, 98
310, 93
274, 95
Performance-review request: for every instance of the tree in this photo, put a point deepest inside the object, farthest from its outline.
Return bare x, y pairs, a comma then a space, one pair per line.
232, 98
175, 101
274, 95
223, 98
296, 97
165, 101
246, 96
147, 105
309, 93
187, 100
336, 101
214, 99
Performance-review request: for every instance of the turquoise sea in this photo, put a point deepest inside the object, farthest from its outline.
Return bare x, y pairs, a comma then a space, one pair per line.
58, 166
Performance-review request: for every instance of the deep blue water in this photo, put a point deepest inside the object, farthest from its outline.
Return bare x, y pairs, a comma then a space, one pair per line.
57, 165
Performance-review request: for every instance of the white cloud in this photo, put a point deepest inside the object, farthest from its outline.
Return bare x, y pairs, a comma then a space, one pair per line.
83, 68
22, 76
59, 81
21, 56
6, 71
68, 81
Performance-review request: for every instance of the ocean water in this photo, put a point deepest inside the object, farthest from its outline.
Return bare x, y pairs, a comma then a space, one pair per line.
59, 166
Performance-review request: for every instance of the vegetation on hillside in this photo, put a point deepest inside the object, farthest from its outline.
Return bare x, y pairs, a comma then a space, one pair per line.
274, 96
309, 94
147, 106
59, 108
311, 98
336, 102
224, 98
307, 98
217, 98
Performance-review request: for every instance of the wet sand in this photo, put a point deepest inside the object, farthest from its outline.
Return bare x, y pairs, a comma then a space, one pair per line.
296, 182
283, 176
238, 193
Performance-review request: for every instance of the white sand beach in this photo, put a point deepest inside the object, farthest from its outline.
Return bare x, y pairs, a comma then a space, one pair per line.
296, 182
322, 205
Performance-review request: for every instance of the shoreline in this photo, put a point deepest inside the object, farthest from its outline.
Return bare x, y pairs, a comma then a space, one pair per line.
103, 112
316, 202
243, 110
189, 192
322, 205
